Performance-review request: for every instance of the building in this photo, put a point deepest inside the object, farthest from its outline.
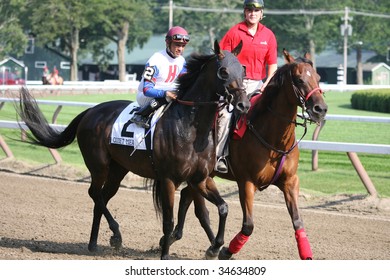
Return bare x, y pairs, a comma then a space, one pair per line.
329, 60
376, 73
12, 69
36, 58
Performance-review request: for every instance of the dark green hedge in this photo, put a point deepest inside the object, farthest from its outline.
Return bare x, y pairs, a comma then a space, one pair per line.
373, 100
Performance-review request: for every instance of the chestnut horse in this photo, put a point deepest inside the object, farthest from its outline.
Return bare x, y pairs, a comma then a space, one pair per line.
183, 143
267, 152
52, 79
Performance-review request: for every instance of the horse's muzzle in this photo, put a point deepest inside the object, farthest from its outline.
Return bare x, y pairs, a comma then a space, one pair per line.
243, 106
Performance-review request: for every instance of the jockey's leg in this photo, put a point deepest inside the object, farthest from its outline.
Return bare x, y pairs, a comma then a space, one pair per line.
141, 117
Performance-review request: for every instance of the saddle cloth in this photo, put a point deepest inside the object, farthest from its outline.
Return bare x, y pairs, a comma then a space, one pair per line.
126, 133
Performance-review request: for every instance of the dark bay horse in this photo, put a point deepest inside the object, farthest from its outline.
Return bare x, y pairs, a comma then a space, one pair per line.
183, 144
267, 153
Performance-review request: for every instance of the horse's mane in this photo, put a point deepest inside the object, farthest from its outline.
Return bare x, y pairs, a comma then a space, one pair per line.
194, 67
272, 89
279, 77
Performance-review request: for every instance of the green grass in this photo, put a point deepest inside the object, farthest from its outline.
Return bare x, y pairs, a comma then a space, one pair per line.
335, 174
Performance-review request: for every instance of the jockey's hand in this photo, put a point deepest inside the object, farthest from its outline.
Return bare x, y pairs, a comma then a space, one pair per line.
170, 95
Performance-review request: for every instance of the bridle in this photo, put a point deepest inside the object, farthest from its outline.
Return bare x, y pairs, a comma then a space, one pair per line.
227, 93
302, 99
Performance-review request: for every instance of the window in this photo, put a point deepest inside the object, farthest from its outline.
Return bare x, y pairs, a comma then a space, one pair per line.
65, 65
40, 64
30, 45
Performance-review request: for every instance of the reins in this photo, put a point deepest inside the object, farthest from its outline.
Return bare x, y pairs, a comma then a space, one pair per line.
302, 99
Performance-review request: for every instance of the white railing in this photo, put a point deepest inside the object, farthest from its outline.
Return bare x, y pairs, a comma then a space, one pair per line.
74, 87
350, 148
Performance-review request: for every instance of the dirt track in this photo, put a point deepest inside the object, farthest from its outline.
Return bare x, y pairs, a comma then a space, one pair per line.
46, 218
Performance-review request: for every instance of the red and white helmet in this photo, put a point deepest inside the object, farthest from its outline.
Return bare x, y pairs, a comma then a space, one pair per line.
177, 34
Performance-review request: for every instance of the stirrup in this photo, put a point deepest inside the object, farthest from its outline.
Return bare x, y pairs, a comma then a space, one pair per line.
221, 165
140, 121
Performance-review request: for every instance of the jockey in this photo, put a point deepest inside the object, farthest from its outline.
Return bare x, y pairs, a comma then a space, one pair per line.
45, 74
157, 86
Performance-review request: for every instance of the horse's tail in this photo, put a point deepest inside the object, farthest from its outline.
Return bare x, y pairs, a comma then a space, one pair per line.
42, 133
157, 199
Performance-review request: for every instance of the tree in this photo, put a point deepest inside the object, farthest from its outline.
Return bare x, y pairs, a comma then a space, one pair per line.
204, 26
13, 40
58, 23
302, 31
127, 23
370, 31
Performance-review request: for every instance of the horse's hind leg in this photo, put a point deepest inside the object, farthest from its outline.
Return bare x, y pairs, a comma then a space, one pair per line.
101, 196
291, 193
96, 194
110, 188
167, 195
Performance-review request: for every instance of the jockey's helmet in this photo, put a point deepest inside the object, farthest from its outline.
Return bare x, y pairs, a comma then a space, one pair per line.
177, 34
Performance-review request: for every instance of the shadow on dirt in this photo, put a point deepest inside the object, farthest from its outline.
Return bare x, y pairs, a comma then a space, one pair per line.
78, 249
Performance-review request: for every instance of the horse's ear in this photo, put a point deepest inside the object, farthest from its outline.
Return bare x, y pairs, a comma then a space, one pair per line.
287, 57
217, 50
237, 49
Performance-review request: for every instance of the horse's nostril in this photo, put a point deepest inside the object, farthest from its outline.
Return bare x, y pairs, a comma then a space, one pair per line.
321, 110
243, 107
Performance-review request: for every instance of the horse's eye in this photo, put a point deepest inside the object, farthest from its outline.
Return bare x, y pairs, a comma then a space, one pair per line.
298, 80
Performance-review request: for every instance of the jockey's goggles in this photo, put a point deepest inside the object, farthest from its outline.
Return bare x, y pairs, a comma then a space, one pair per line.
181, 38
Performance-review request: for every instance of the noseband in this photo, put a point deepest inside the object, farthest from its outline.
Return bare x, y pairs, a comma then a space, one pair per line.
301, 97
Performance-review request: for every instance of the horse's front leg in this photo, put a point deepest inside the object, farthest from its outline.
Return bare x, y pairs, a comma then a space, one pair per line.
167, 203
187, 195
186, 198
209, 191
291, 194
246, 193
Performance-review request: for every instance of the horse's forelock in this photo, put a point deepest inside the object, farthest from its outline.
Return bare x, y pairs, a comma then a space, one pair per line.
304, 60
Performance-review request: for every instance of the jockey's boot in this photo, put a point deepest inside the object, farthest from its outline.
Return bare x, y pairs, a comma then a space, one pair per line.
141, 117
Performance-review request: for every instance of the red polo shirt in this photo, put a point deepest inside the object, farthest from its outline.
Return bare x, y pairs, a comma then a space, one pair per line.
257, 51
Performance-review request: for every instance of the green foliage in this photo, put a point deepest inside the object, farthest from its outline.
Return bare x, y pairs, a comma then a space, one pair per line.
13, 40
377, 101
204, 26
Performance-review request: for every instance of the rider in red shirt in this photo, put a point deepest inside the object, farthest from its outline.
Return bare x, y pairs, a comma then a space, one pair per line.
259, 51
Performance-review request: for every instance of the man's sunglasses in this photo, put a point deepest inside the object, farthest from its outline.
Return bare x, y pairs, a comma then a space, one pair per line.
181, 38
253, 6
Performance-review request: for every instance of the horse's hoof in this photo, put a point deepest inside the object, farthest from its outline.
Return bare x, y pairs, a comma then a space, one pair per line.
116, 242
92, 248
212, 253
171, 240
165, 257
224, 254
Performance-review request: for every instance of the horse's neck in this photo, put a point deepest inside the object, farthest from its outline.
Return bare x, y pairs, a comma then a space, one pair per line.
276, 121
203, 92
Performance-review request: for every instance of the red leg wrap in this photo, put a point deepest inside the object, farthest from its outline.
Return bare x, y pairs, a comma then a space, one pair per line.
237, 243
303, 244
